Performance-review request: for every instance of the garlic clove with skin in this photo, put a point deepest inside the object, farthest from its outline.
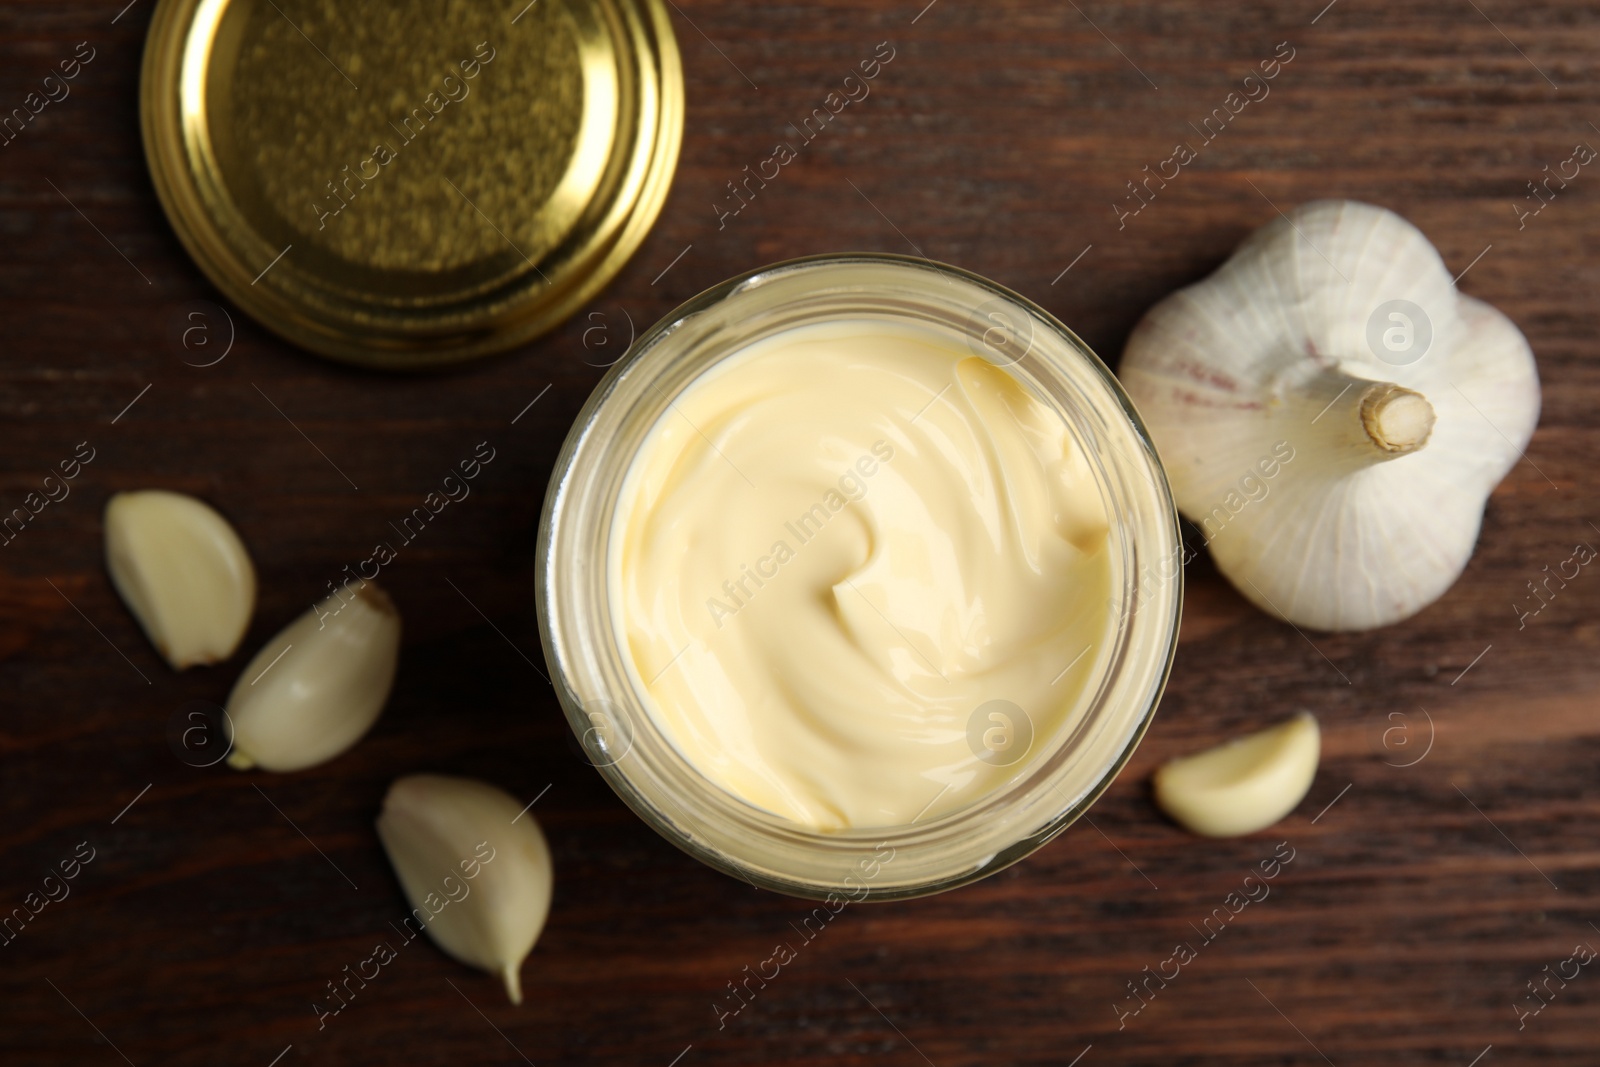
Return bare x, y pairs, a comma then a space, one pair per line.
318, 686
474, 866
1333, 414
183, 572
1243, 785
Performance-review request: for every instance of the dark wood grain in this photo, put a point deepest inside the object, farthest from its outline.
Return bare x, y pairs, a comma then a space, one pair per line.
999, 137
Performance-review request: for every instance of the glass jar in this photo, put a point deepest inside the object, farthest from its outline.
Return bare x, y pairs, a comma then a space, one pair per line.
603, 700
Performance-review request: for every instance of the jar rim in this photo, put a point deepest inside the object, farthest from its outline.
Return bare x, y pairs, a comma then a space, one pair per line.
610, 715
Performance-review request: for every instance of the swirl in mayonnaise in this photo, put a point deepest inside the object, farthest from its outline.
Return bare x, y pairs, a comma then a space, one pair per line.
839, 545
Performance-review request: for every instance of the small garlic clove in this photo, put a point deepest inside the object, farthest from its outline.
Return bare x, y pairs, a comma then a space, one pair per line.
318, 686
1243, 785
474, 866
182, 571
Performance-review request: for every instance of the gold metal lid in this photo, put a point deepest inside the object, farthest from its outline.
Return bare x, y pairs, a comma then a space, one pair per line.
406, 184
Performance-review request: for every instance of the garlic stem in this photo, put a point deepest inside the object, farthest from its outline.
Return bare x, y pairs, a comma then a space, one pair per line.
1368, 421
1397, 419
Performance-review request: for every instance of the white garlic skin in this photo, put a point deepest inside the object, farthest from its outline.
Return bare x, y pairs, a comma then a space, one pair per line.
325, 691
182, 571
1352, 534
1243, 785
433, 827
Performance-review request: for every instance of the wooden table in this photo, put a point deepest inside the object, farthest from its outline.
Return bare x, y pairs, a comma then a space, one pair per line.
1421, 899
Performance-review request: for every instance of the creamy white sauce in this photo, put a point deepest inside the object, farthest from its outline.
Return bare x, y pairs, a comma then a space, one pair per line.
836, 549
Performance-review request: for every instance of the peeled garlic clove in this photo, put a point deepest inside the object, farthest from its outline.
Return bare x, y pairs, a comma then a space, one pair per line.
1333, 414
474, 866
182, 571
317, 686
1243, 785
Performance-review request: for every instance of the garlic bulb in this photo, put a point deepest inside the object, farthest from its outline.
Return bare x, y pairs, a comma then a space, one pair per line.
475, 867
182, 571
1334, 414
317, 686
1243, 785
